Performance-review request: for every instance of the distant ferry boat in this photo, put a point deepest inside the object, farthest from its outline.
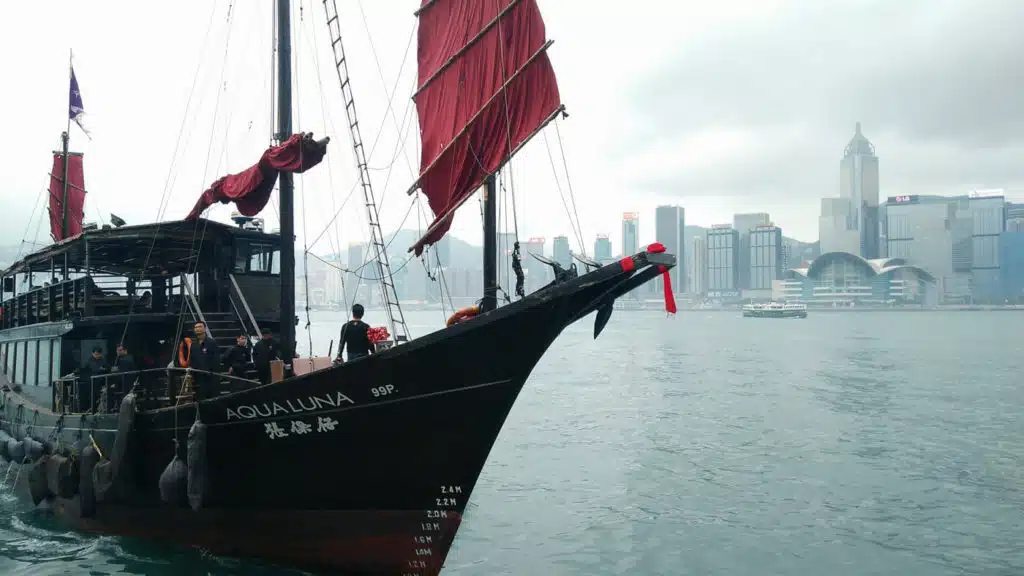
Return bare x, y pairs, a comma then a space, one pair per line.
775, 310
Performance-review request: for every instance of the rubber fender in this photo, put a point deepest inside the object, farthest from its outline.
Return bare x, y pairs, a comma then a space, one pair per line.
86, 493
174, 482
16, 450
34, 449
198, 482
4, 439
62, 476
125, 423
38, 487
103, 479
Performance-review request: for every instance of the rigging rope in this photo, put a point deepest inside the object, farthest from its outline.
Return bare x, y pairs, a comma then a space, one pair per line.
558, 186
302, 180
193, 266
568, 182
171, 174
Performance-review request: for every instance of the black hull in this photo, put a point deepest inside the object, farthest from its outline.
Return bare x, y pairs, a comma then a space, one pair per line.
361, 468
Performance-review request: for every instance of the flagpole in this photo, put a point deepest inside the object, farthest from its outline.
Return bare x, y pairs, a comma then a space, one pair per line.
64, 142
71, 71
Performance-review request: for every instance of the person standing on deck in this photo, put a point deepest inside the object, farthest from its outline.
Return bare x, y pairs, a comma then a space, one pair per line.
237, 357
94, 366
203, 355
266, 350
123, 362
355, 336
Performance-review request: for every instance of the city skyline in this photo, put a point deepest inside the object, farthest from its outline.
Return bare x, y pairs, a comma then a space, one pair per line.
769, 149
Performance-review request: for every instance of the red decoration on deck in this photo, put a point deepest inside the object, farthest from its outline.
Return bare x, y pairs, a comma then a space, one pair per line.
486, 86
76, 196
250, 189
378, 334
670, 298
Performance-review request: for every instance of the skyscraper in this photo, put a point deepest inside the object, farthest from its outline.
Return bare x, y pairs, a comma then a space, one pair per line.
698, 267
858, 183
764, 254
630, 233
537, 273
988, 213
743, 223
602, 248
723, 246
560, 251
669, 223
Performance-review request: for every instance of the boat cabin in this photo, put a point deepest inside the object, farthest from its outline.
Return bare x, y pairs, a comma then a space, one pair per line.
142, 287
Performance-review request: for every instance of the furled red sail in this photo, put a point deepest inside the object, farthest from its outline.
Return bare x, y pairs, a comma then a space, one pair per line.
250, 189
485, 87
76, 196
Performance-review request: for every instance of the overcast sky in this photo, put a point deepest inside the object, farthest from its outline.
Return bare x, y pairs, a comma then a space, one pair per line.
720, 107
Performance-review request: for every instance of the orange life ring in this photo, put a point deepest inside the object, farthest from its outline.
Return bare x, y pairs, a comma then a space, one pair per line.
462, 315
184, 352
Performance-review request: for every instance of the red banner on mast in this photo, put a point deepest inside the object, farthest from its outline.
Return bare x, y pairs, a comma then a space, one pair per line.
76, 196
250, 189
486, 86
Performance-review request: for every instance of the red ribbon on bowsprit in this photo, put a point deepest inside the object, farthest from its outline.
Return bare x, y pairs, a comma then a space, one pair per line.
670, 298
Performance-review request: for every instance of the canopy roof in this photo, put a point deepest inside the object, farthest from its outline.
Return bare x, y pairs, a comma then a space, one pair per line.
149, 249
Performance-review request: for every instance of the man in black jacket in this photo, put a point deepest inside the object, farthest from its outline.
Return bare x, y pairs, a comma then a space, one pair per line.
355, 336
236, 358
204, 356
263, 352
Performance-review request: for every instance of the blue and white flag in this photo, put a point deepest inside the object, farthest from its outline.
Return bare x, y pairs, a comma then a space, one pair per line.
75, 109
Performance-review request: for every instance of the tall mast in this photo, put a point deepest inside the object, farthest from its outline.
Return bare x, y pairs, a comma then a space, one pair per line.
490, 301
64, 202
286, 186
64, 138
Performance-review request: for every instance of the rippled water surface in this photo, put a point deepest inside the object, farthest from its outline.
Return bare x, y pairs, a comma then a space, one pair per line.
843, 444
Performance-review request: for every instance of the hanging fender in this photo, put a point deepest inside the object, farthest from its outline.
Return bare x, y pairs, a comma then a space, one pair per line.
462, 315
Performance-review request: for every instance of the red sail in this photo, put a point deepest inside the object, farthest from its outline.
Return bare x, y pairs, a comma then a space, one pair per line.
250, 189
485, 87
76, 196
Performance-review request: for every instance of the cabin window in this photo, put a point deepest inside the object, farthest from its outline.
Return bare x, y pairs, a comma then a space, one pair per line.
43, 377
264, 259
3, 357
241, 257
31, 352
19, 357
55, 360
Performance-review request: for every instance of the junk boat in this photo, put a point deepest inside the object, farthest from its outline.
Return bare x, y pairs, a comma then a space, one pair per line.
775, 310
359, 467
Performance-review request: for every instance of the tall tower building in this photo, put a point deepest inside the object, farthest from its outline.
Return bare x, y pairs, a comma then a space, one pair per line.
698, 267
858, 184
723, 254
560, 251
630, 233
602, 248
743, 223
669, 223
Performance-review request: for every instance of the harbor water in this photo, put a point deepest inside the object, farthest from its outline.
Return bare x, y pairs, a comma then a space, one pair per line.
842, 444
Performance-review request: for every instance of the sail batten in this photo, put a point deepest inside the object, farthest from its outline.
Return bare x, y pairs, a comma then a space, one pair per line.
455, 57
486, 86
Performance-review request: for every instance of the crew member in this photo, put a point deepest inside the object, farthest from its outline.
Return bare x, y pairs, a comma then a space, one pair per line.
355, 336
236, 358
94, 366
201, 354
266, 350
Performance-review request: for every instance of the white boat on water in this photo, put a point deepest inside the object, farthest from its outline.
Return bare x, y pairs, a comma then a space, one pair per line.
775, 310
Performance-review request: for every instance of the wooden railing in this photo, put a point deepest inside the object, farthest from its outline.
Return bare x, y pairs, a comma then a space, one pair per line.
84, 297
